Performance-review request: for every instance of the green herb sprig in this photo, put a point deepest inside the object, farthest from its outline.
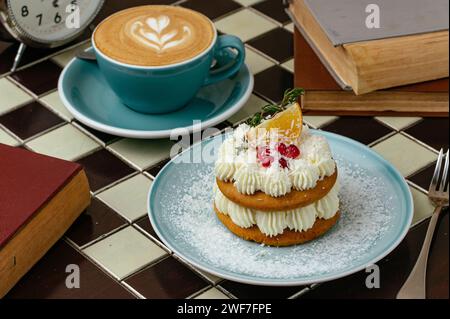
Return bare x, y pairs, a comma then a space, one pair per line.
290, 96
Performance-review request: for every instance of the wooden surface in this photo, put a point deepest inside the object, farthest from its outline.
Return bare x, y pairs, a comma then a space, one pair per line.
48, 225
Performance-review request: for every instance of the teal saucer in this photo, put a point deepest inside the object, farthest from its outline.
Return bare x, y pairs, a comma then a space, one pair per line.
86, 95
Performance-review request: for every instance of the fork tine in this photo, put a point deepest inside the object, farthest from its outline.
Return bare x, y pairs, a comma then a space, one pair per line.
437, 171
445, 176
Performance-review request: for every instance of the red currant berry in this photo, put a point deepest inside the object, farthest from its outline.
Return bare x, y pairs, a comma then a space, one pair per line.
292, 152
266, 162
262, 152
282, 148
283, 163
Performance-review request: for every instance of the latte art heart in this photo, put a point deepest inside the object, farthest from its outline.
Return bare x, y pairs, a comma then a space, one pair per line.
154, 33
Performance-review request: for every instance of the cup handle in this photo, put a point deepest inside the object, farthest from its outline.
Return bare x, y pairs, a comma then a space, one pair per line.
230, 63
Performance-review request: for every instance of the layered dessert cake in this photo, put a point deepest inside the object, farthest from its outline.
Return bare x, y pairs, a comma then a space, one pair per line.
276, 182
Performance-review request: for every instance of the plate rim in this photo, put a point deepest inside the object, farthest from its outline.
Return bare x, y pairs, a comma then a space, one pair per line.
292, 282
157, 134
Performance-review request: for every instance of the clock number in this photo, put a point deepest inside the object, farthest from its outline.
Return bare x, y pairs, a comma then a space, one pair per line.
74, 3
25, 11
39, 16
55, 3
58, 18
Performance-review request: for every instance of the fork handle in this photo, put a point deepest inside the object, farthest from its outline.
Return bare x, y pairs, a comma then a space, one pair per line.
415, 285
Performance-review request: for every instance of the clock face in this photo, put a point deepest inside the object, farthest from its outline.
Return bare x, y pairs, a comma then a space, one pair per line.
50, 21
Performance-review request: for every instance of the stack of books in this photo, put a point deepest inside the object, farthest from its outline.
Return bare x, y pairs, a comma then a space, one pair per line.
350, 63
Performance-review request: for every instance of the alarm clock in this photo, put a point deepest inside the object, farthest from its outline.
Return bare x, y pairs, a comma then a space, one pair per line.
45, 23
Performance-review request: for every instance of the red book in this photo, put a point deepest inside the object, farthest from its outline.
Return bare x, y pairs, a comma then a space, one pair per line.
40, 197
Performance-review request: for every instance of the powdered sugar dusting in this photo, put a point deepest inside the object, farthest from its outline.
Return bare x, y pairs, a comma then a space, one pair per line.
366, 208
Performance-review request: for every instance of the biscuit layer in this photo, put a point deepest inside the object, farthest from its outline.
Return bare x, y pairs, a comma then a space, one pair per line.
288, 238
293, 200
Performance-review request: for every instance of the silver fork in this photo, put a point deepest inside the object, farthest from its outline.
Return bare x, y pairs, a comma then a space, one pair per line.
414, 287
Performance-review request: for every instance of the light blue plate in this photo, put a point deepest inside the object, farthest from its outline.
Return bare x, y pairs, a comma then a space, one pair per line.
88, 97
376, 208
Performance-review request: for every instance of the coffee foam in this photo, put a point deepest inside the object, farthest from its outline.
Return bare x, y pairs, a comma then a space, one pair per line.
154, 35
160, 34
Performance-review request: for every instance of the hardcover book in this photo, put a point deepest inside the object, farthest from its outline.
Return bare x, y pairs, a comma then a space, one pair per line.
40, 197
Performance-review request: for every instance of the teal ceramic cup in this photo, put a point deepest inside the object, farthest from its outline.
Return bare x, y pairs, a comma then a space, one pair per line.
164, 89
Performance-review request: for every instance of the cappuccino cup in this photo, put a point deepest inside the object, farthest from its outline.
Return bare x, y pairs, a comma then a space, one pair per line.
156, 58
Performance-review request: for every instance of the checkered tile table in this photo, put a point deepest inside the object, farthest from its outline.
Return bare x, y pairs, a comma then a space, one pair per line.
118, 252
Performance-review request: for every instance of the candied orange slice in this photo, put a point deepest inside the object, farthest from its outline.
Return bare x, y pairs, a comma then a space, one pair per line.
289, 123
